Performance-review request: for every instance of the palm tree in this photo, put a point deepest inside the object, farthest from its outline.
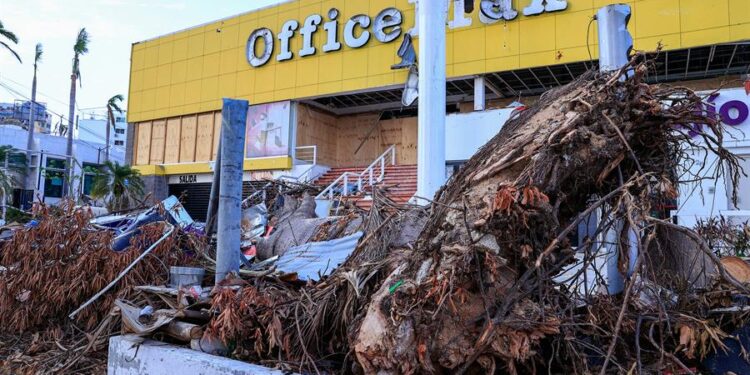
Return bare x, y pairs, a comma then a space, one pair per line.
11, 163
30, 140
79, 49
12, 38
119, 186
112, 107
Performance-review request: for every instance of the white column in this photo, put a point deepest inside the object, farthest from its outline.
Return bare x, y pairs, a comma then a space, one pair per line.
479, 94
615, 43
431, 122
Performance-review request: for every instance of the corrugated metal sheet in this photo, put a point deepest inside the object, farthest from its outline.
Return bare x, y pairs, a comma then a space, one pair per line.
314, 260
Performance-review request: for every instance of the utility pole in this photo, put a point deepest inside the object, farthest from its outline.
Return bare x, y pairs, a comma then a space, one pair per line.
233, 122
615, 44
431, 115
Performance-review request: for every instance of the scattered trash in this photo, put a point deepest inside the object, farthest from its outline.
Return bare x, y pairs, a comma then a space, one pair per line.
314, 260
185, 276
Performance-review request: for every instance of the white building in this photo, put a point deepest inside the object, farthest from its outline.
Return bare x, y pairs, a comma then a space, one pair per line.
49, 162
92, 128
712, 197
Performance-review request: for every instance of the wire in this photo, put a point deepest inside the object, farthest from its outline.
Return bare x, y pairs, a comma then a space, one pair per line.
588, 44
21, 96
37, 91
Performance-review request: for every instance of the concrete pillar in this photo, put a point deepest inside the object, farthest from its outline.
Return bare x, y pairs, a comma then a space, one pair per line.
615, 43
479, 94
233, 122
431, 121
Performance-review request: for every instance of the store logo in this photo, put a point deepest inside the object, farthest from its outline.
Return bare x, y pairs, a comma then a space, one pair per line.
385, 27
731, 111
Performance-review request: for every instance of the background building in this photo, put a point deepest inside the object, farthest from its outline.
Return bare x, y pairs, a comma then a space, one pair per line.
18, 113
92, 128
320, 76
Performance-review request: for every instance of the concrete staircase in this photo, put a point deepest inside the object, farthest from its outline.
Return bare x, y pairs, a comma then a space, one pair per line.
400, 180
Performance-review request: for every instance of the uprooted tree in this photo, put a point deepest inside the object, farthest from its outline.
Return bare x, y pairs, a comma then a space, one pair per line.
478, 291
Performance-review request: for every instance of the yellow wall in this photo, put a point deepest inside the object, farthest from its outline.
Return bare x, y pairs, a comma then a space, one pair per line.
190, 71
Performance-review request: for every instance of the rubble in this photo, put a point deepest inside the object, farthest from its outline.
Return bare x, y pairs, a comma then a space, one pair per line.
484, 280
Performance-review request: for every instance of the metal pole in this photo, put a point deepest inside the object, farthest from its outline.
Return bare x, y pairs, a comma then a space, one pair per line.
431, 117
213, 200
615, 43
233, 120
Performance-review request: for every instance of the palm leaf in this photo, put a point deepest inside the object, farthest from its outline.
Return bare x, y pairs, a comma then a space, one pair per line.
38, 53
11, 51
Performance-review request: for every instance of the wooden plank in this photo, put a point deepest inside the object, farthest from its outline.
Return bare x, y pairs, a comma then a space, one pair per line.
158, 135
353, 132
217, 134
315, 128
187, 139
407, 153
204, 144
172, 151
144, 143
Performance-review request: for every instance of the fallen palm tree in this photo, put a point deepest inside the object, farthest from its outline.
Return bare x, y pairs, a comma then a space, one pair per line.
51, 268
478, 291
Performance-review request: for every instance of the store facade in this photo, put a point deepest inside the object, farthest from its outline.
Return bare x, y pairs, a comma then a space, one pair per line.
325, 86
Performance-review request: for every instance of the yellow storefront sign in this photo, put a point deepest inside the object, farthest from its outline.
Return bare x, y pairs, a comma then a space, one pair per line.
190, 71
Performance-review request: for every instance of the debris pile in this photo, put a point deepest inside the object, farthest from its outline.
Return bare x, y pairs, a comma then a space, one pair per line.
480, 289
486, 279
52, 267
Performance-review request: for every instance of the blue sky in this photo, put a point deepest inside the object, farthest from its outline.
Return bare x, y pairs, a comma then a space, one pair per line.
113, 25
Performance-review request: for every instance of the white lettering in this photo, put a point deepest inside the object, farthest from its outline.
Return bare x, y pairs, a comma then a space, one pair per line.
459, 17
492, 11
352, 40
332, 30
541, 6
387, 18
307, 31
415, 30
287, 31
261, 60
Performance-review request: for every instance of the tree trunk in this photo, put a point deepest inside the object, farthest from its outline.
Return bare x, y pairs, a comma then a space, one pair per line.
31, 180
68, 178
478, 293
110, 121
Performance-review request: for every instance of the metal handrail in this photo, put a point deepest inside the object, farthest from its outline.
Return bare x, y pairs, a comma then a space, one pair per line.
380, 160
255, 194
345, 191
369, 173
314, 149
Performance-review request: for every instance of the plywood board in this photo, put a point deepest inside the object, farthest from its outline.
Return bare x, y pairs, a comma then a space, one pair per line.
158, 135
353, 132
187, 139
205, 143
407, 153
217, 134
172, 151
142, 154
315, 128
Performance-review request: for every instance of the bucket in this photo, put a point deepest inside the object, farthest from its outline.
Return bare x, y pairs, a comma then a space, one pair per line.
185, 276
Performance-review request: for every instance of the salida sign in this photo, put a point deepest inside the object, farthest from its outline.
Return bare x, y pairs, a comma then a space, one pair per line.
385, 27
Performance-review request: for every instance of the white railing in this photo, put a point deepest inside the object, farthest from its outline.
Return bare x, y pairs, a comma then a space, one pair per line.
306, 155
345, 189
368, 175
303, 155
